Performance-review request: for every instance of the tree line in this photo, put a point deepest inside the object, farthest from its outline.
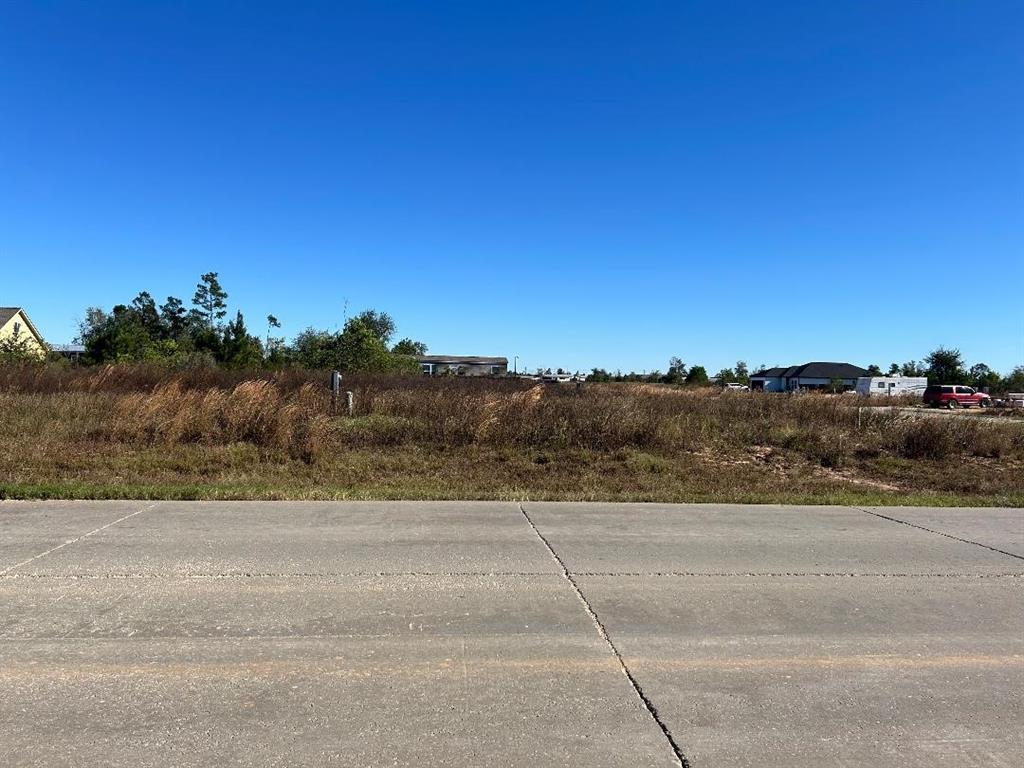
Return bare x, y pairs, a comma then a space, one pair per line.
143, 332
677, 373
940, 366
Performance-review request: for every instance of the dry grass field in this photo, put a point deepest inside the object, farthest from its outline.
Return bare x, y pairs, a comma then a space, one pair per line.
142, 432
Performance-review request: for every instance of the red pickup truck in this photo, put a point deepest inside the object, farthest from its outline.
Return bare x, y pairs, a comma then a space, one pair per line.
955, 396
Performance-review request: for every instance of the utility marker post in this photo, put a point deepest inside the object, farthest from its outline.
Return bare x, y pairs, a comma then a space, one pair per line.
350, 404
335, 391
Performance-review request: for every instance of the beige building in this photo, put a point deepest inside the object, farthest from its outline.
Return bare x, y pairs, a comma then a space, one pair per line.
17, 329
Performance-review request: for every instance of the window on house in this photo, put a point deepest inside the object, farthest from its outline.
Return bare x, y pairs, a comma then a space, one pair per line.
495, 370
17, 329
881, 385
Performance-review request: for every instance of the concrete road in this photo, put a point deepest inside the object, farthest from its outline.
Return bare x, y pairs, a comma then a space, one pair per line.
464, 634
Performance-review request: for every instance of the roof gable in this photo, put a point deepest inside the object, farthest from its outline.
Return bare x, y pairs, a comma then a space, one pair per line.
9, 313
769, 373
6, 313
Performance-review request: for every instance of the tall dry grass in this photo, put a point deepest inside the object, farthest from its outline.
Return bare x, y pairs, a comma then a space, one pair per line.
288, 414
295, 423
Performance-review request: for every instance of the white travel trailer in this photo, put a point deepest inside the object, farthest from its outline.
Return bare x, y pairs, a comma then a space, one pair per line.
890, 386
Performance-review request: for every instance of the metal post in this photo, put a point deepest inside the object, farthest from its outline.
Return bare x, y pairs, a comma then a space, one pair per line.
335, 390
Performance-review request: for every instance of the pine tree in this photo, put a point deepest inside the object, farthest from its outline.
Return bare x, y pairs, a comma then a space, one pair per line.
210, 300
174, 317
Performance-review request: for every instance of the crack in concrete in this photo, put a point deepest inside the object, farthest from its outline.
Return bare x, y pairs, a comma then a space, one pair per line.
647, 703
72, 541
940, 533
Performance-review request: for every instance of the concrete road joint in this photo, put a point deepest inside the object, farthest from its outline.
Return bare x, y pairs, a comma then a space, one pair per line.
200, 576
503, 574
940, 533
799, 574
79, 538
647, 703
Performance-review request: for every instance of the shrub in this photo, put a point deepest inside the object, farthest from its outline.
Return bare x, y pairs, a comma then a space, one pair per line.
929, 438
645, 462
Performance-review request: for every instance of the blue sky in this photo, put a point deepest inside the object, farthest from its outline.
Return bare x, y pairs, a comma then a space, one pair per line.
579, 184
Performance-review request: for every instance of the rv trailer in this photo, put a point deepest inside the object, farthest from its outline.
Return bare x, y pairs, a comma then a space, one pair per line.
891, 386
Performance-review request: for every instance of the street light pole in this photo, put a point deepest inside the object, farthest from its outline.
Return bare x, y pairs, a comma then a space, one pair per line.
515, 366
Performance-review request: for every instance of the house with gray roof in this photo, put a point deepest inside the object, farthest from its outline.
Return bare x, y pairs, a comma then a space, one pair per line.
807, 376
462, 365
73, 352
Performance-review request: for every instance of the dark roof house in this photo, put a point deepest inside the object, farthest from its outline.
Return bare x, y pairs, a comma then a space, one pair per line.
818, 375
